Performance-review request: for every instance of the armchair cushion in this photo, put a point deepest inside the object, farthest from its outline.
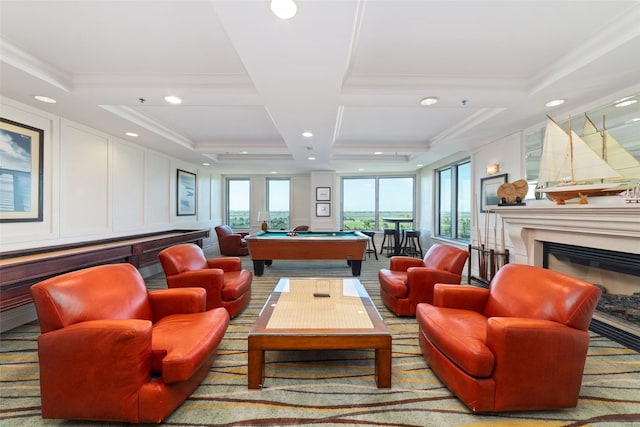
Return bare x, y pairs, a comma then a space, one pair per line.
226, 283
519, 345
186, 348
409, 281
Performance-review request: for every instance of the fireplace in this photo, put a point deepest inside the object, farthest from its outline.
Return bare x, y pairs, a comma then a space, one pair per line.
598, 242
617, 274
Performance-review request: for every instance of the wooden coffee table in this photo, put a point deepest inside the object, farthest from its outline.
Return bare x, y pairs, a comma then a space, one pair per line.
319, 314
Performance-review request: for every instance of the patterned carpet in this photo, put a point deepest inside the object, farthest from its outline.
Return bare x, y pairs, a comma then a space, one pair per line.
333, 388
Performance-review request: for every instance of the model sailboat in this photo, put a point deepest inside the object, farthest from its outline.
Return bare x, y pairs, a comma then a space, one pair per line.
569, 168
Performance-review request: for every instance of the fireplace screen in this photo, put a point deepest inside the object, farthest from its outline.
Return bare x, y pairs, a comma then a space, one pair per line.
618, 276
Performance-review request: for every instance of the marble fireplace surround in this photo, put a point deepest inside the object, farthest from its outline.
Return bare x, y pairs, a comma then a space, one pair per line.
603, 224
614, 226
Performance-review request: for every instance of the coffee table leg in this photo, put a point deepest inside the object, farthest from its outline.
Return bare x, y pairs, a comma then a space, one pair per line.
383, 367
254, 368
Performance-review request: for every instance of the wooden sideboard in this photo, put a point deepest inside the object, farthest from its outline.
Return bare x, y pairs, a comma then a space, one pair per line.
21, 269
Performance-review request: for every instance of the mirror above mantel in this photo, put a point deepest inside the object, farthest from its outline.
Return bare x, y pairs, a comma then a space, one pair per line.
620, 118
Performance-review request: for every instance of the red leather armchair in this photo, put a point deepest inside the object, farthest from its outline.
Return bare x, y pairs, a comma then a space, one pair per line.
230, 242
110, 350
226, 283
409, 281
519, 345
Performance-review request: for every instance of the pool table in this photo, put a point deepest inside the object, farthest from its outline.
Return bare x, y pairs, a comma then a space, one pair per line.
266, 246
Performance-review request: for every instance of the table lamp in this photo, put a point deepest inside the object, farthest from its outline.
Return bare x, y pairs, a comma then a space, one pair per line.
264, 217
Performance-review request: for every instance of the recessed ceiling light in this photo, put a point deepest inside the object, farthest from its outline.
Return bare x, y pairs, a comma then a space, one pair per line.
307, 134
626, 103
377, 153
311, 158
419, 165
173, 99
284, 9
45, 99
429, 100
361, 169
131, 134
206, 164
554, 103
274, 172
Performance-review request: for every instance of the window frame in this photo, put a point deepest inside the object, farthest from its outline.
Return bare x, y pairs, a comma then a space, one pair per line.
454, 197
376, 178
227, 210
267, 200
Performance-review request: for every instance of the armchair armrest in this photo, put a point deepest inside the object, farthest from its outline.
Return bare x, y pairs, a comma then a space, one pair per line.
534, 351
225, 263
460, 297
420, 282
243, 234
232, 239
177, 301
402, 263
115, 352
210, 279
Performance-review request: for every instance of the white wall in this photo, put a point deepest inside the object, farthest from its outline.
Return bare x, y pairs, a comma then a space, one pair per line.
98, 186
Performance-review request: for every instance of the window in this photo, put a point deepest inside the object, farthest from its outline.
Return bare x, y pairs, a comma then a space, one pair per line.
453, 193
238, 202
366, 200
278, 203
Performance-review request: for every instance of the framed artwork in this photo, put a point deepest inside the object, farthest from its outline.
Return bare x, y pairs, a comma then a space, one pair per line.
186, 192
323, 209
21, 172
489, 191
323, 193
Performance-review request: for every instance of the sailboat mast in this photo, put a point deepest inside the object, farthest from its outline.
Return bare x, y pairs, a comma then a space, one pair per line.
604, 140
571, 148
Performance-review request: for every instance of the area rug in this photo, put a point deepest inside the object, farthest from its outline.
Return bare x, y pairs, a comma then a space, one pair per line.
333, 388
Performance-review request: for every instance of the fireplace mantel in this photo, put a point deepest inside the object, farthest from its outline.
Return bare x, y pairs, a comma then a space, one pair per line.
613, 226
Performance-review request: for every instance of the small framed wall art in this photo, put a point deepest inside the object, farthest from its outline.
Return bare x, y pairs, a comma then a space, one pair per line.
21, 173
186, 193
489, 191
323, 209
323, 194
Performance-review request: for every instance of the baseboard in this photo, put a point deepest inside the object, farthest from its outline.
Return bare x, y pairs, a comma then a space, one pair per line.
18, 316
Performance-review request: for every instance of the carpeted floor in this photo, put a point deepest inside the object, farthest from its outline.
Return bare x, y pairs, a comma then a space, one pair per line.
333, 388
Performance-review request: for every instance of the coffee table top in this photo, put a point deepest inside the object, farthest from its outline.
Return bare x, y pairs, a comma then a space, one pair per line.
319, 305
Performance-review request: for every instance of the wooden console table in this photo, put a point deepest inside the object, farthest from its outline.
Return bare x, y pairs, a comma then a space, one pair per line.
23, 268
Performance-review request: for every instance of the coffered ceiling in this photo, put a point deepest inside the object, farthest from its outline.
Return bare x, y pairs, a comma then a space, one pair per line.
352, 72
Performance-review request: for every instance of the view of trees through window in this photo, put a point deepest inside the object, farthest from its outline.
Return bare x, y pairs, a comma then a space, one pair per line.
278, 203
238, 202
454, 201
367, 200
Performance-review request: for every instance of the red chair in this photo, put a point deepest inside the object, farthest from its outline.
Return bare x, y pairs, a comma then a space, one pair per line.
230, 242
226, 283
110, 350
409, 281
519, 345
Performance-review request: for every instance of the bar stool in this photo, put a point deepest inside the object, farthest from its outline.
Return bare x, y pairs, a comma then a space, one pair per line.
390, 245
372, 241
411, 243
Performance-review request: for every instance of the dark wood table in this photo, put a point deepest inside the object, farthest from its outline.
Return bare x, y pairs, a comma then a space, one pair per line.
397, 250
293, 318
